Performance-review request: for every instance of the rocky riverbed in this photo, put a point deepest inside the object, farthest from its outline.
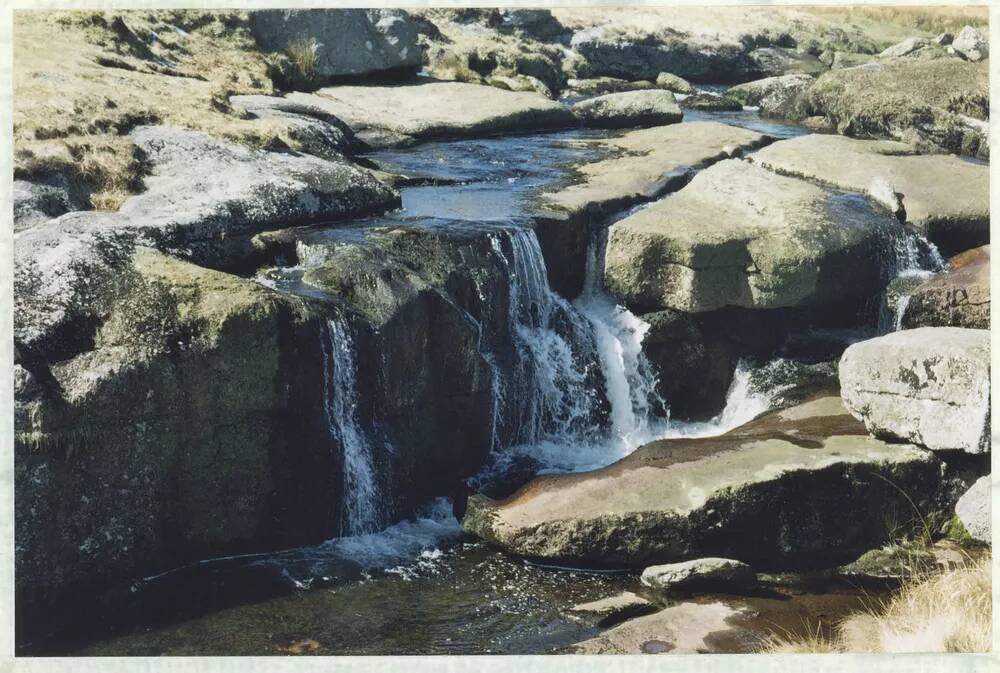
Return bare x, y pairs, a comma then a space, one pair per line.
512, 333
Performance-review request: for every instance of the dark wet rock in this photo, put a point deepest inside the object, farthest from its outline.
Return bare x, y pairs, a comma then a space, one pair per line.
975, 510
792, 489
686, 628
738, 235
929, 386
316, 132
349, 42
917, 95
971, 45
959, 297
640, 166
612, 610
37, 202
943, 197
190, 385
709, 574
629, 109
671, 82
386, 116
711, 103
694, 366
775, 96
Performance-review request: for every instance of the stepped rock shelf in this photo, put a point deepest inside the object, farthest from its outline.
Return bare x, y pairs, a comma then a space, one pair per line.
413, 296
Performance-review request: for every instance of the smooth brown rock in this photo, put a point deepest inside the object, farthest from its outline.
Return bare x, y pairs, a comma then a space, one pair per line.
959, 297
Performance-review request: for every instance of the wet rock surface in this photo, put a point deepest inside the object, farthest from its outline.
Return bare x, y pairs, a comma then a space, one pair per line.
612, 610
929, 386
621, 516
959, 297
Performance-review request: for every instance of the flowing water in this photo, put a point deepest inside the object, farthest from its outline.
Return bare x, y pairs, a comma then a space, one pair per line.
420, 586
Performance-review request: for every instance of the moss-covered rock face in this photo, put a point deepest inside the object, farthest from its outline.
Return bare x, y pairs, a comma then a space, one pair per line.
893, 98
187, 429
793, 489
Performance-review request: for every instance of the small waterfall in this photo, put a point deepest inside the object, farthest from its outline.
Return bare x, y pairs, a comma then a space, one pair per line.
360, 513
631, 383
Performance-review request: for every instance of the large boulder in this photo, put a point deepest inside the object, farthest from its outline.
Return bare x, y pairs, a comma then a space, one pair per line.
194, 397
792, 489
631, 108
347, 42
386, 116
709, 102
636, 166
929, 386
970, 44
943, 197
313, 130
36, 202
739, 235
959, 297
672, 82
900, 98
775, 96
974, 509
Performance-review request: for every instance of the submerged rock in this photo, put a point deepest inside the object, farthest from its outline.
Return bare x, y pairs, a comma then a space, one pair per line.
638, 166
739, 235
612, 610
385, 116
632, 108
686, 628
929, 386
775, 96
344, 42
792, 489
975, 510
959, 297
714, 574
942, 196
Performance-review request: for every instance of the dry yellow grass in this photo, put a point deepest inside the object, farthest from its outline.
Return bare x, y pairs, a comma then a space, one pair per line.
114, 70
949, 611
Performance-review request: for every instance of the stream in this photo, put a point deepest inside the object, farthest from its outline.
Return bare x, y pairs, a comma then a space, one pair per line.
420, 586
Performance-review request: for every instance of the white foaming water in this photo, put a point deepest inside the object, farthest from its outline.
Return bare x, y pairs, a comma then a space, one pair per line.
399, 542
360, 514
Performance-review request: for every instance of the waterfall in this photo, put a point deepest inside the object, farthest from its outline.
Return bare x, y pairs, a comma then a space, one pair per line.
360, 512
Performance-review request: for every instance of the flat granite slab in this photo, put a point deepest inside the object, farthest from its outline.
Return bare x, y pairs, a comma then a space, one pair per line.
398, 115
945, 197
792, 489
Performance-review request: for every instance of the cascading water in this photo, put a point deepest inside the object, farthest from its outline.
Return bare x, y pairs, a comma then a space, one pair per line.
360, 512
